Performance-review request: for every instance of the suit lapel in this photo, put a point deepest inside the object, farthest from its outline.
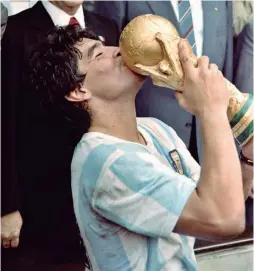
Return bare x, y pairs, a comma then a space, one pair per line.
40, 18
92, 22
90, 19
164, 9
96, 26
212, 11
209, 24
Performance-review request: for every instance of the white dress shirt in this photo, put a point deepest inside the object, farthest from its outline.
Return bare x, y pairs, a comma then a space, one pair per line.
60, 18
197, 19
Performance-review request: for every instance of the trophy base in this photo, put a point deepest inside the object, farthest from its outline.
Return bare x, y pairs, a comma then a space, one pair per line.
242, 122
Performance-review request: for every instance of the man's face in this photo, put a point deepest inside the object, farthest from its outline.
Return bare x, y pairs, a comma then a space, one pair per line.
107, 77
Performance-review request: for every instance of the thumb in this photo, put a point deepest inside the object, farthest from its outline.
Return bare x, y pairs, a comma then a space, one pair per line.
178, 94
179, 97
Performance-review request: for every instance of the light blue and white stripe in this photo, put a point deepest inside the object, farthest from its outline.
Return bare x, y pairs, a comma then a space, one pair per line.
128, 198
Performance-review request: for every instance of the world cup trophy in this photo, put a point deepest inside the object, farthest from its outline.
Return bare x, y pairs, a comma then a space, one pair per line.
149, 46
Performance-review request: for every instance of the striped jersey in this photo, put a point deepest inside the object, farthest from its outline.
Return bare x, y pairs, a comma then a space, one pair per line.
128, 198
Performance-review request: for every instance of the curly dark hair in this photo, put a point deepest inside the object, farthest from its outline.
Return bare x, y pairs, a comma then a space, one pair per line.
53, 71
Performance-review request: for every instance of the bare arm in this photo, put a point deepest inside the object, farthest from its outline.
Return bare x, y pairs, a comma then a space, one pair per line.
215, 209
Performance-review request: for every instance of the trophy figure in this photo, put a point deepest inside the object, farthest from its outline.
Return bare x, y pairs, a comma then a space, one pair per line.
149, 46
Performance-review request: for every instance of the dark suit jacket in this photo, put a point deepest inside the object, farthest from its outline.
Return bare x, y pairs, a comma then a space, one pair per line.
243, 72
156, 101
37, 143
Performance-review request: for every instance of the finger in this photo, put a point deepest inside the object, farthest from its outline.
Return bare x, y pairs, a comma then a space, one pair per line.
15, 242
16, 234
10, 236
184, 56
6, 243
213, 67
6, 236
220, 73
203, 62
179, 96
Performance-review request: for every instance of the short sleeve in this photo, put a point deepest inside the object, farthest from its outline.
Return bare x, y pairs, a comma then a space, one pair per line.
141, 194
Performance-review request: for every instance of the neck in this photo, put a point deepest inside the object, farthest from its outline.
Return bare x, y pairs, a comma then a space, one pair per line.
116, 119
67, 9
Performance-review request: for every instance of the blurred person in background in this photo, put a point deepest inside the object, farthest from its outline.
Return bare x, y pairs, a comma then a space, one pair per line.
243, 51
36, 182
242, 14
243, 59
243, 63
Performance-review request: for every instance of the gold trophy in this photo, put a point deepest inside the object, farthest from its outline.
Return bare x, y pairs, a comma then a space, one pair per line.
149, 46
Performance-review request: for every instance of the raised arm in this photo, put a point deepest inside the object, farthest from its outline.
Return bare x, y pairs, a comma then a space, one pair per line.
216, 207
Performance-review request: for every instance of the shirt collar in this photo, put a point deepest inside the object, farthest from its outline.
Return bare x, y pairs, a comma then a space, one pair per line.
60, 18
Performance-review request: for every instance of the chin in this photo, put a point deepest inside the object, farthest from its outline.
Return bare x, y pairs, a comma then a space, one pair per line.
139, 80
73, 3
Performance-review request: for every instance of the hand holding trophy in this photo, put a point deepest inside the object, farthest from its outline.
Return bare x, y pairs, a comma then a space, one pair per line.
149, 46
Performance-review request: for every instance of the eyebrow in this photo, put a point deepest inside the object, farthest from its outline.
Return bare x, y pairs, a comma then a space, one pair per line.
92, 48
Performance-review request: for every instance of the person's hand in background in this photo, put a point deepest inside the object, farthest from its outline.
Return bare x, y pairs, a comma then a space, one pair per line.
10, 229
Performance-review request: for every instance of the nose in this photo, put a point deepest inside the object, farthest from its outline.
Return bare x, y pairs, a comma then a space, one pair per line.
116, 52
111, 52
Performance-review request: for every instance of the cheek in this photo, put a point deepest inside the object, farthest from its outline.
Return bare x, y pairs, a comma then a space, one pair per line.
102, 68
99, 76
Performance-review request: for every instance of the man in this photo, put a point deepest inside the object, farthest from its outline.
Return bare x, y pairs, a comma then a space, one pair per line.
208, 27
138, 194
36, 177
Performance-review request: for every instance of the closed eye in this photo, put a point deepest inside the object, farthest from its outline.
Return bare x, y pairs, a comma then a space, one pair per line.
98, 55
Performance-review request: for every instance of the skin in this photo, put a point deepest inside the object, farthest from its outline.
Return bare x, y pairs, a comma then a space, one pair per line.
111, 103
70, 7
10, 229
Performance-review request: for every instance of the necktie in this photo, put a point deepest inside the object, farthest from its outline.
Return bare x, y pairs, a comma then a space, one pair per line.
186, 27
73, 20
185, 21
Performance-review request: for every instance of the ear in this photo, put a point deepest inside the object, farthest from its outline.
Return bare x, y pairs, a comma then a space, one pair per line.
78, 95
